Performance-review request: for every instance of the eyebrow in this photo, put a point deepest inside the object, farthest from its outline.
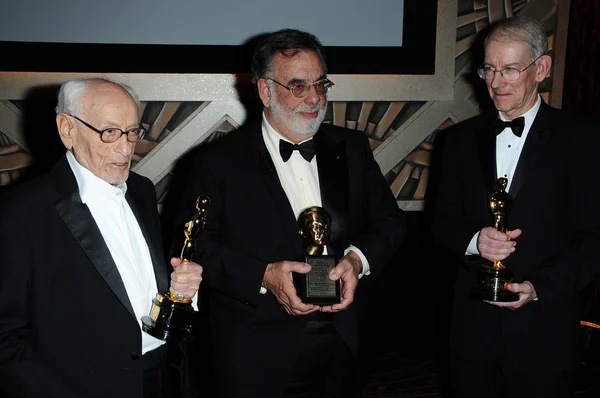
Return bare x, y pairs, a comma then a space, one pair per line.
113, 125
510, 65
298, 80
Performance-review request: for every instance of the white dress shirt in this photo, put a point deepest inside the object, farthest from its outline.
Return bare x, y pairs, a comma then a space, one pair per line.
300, 181
125, 241
508, 151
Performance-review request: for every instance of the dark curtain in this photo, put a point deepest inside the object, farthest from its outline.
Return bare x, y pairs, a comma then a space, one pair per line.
581, 91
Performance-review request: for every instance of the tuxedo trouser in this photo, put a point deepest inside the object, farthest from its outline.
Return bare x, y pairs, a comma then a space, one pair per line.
324, 366
496, 379
152, 364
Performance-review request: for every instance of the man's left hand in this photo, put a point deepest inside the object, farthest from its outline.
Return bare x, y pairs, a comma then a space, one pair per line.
185, 278
526, 294
347, 271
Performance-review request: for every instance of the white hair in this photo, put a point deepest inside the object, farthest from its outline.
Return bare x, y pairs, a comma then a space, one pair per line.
71, 91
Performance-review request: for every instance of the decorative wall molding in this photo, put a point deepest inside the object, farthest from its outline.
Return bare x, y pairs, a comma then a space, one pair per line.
401, 115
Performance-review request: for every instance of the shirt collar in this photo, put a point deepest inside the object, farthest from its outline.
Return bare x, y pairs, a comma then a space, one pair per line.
90, 186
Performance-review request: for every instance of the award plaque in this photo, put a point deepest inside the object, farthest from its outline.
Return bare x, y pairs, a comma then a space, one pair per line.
493, 276
314, 225
171, 316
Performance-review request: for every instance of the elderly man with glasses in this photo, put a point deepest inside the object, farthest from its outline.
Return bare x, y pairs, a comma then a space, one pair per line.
521, 342
267, 342
82, 259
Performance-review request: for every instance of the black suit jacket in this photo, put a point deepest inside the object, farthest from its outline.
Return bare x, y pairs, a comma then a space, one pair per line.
67, 328
251, 224
554, 204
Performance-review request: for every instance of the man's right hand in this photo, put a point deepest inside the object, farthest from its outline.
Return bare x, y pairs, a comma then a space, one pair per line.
279, 281
494, 245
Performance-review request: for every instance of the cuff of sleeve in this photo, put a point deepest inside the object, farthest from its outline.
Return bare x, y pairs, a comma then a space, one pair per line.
195, 301
366, 270
472, 248
263, 290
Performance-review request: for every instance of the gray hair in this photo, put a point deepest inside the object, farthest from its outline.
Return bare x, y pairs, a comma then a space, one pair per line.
523, 29
288, 43
71, 91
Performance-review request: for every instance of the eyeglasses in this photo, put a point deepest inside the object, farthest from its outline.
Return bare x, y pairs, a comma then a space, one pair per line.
509, 74
301, 89
112, 134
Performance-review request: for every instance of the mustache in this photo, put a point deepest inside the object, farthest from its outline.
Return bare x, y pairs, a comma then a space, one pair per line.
309, 108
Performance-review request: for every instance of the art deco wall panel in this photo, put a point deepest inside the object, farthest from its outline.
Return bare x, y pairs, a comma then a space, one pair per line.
191, 112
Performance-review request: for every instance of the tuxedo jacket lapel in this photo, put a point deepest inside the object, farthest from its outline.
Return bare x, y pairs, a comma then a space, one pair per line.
152, 239
486, 142
281, 204
535, 141
333, 182
80, 222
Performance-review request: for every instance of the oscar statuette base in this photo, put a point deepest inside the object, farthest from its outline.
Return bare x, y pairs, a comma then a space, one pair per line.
170, 320
491, 282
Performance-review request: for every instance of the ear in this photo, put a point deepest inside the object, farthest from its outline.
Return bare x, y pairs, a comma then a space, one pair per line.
263, 92
543, 68
66, 130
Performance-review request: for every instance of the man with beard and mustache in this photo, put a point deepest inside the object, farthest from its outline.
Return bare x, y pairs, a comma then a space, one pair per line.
527, 347
267, 342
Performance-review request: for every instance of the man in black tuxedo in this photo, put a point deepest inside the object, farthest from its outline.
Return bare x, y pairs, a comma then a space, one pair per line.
267, 342
81, 261
525, 348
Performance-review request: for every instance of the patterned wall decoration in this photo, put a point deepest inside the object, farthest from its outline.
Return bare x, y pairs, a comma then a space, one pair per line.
409, 178
402, 134
378, 120
13, 161
160, 119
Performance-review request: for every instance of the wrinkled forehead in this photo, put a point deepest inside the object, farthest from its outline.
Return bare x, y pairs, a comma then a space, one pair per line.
297, 62
101, 98
505, 47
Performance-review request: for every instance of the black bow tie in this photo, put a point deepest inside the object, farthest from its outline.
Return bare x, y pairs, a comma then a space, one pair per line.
516, 125
306, 149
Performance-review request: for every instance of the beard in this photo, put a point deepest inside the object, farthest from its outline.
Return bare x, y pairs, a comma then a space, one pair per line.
292, 120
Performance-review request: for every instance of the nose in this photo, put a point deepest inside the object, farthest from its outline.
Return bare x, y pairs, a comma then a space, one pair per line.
497, 80
312, 97
124, 147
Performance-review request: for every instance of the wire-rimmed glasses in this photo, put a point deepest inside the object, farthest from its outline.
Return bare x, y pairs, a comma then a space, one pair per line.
300, 89
509, 74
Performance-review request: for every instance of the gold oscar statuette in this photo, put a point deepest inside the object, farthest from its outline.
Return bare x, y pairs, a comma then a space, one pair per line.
314, 226
493, 275
171, 317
